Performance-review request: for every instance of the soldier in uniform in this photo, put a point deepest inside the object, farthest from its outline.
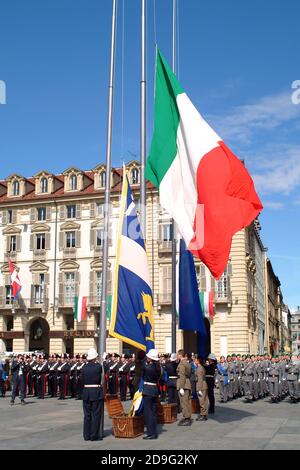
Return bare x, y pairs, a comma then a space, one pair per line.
184, 388
238, 368
202, 390
123, 371
62, 377
18, 373
131, 376
152, 372
92, 398
210, 376
42, 370
274, 380
72, 376
2, 379
222, 379
52, 377
231, 370
171, 370
113, 375
79, 368
248, 378
293, 379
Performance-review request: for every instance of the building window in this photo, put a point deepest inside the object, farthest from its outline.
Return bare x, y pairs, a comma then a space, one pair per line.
98, 285
73, 182
70, 239
223, 286
40, 243
41, 213
99, 209
99, 237
39, 290
69, 287
166, 232
44, 185
16, 188
10, 216
135, 176
102, 179
71, 212
12, 243
8, 295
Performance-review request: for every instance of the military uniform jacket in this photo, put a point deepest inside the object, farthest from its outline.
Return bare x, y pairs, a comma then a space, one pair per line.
91, 374
221, 375
231, 370
184, 373
293, 372
274, 372
201, 380
249, 372
171, 369
151, 376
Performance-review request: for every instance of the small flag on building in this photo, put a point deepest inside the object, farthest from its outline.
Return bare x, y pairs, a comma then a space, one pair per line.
80, 304
207, 303
14, 279
132, 303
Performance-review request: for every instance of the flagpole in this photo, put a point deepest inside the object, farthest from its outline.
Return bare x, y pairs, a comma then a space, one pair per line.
103, 310
173, 227
143, 120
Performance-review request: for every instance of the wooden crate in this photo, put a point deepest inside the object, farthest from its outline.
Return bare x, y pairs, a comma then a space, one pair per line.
114, 406
195, 406
166, 414
128, 427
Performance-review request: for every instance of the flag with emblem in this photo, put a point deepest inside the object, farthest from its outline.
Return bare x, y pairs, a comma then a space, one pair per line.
131, 312
14, 279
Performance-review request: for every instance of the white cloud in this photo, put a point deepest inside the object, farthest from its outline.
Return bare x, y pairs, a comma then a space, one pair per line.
268, 113
273, 205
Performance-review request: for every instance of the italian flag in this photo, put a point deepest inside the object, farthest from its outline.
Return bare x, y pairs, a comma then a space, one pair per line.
80, 304
207, 304
202, 184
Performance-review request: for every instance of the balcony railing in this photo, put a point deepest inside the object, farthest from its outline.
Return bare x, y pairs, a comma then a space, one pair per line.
165, 299
223, 297
164, 246
24, 304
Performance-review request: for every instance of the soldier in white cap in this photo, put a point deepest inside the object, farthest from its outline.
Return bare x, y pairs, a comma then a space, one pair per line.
92, 398
151, 374
171, 370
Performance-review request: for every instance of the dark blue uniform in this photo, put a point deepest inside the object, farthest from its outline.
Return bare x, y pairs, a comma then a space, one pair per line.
18, 376
93, 401
151, 376
171, 369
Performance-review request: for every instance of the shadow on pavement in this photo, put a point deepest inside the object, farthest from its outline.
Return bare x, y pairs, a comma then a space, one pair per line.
227, 415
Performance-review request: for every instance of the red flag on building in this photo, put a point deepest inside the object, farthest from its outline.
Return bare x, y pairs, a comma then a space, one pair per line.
14, 278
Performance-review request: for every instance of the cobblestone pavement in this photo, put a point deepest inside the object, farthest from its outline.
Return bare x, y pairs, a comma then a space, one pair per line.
53, 424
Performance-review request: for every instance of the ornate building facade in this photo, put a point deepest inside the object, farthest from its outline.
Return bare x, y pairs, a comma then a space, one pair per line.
51, 226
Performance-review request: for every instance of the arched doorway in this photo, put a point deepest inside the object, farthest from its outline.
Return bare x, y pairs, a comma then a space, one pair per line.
190, 340
39, 335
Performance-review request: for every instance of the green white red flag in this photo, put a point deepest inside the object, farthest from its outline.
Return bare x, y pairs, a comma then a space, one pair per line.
80, 307
202, 184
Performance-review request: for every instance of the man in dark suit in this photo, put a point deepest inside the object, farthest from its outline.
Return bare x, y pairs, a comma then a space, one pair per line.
92, 398
18, 375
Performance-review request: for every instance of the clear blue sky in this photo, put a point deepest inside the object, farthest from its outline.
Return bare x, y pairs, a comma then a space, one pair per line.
237, 61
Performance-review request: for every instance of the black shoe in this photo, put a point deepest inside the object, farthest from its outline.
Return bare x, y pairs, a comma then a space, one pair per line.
12, 403
203, 418
150, 438
198, 418
23, 402
186, 422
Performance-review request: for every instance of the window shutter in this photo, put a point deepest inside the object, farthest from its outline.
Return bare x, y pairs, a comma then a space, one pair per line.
109, 282
31, 242
61, 288
7, 243
78, 239
48, 213
93, 210
2, 297
32, 294
229, 269
7, 280
203, 285
78, 211
4, 218
62, 212
35, 279
61, 241
18, 243
47, 278
92, 285
47, 241
14, 217
92, 239
77, 280
110, 237
212, 284
32, 215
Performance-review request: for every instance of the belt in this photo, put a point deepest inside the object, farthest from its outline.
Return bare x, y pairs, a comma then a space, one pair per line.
150, 383
173, 377
210, 376
274, 376
92, 386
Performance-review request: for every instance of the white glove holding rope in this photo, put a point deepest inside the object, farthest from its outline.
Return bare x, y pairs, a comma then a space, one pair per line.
181, 391
200, 394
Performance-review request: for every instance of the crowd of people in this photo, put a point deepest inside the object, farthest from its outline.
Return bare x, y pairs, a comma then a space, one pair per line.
173, 378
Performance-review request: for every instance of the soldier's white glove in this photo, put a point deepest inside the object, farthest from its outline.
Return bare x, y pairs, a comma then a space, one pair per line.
239, 378
181, 391
200, 394
217, 381
279, 382
268, 369
267, 379
258, 380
